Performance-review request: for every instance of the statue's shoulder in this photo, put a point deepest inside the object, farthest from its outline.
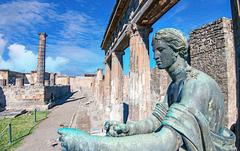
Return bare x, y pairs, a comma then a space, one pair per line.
198, 76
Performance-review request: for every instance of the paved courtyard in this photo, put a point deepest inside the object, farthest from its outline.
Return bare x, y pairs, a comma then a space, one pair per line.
46, 132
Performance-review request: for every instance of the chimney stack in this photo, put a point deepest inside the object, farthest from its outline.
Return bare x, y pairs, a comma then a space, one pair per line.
41, 58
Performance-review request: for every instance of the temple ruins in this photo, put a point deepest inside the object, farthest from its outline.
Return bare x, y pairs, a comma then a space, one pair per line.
120, 97
114, 96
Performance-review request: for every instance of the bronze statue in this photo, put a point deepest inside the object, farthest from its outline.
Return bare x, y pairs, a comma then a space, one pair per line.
190, 118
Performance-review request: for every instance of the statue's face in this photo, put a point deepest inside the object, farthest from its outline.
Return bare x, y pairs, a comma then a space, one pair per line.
164, 55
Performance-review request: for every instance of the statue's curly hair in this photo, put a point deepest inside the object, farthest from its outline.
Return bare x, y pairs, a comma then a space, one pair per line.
174, 39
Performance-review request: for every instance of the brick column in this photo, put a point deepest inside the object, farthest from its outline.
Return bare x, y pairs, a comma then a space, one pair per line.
139, 91
41, 59
235, 5
116, 112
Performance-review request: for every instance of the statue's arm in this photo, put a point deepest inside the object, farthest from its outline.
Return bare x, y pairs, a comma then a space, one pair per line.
150, 124
153, 141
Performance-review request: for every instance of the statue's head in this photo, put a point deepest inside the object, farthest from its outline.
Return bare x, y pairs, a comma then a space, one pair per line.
168, 44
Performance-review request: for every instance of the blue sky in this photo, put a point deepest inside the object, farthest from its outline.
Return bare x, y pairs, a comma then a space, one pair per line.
75, 30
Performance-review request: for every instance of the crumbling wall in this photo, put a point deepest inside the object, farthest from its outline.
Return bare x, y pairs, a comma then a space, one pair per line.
212, 51
26, 97
56, 92
62, 80
4, 74
81, 83
32, 96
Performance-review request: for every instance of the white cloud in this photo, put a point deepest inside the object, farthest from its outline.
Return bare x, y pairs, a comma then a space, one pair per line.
74, 36
54, 64
81, 60
78, 28
23, 60
23, 15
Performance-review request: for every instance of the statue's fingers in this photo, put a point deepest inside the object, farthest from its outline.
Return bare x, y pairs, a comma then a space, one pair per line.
120, 128
112, 133
63, 143
106, 126
109, 124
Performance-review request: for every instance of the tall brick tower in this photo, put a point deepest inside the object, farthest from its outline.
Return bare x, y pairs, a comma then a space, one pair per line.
41, 58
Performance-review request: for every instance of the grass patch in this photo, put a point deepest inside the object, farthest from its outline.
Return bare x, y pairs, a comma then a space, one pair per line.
21, 127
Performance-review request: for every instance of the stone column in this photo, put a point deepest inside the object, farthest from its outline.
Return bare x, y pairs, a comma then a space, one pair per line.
107, 89
19, 82
139, 92
98, 88
3, 82
235, 5
41, 58
116, 112
52, 79
46, 82
107, 83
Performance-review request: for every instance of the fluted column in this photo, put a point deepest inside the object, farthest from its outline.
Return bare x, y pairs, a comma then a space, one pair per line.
235, 5
139, 92
117, 86
41, 59
107, 83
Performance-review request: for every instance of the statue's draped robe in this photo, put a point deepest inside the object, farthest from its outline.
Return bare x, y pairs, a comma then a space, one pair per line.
194, 129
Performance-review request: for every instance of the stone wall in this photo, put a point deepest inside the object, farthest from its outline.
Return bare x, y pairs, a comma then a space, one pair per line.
212, 51
56, 92
4, 74
26, 97
32, 96
81, 83
11, 76
62, 80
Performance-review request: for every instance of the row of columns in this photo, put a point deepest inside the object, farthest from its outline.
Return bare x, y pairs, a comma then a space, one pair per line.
139, 76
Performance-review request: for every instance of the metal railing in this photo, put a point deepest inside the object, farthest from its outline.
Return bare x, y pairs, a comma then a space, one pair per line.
8, 128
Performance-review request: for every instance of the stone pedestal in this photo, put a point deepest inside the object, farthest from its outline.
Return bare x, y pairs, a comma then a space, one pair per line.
139, 91
19, 82
117, 86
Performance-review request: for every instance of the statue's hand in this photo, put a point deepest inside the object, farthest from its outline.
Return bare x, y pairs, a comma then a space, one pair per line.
116, 129
75, 139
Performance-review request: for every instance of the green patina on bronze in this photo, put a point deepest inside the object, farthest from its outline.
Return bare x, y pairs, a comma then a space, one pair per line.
190, 118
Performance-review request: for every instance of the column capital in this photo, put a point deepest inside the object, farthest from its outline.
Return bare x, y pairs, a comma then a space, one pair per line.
134, 30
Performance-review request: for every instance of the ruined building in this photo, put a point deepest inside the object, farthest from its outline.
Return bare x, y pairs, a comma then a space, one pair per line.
31, 90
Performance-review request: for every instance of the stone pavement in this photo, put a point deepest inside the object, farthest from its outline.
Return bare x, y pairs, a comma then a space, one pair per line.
46, 132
